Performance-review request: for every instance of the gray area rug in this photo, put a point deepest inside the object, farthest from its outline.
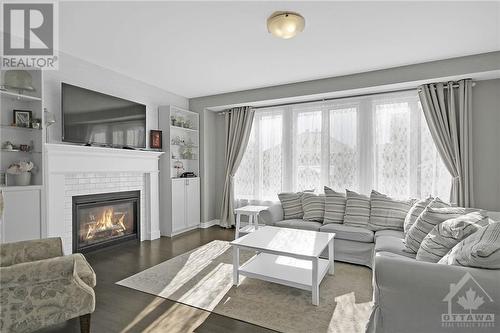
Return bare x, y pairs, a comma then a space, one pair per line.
203, 278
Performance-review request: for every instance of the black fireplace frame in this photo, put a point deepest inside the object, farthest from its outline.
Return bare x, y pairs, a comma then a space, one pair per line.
95, 200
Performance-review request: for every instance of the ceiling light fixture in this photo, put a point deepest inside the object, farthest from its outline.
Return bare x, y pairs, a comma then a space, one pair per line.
285, 24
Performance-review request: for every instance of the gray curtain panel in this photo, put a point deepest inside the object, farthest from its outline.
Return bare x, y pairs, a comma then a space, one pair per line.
447, 110
238, 127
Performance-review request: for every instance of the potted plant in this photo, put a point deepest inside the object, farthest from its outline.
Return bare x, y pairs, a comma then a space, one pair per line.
21, 172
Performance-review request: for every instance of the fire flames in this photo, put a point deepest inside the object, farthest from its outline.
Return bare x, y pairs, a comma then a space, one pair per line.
108, 223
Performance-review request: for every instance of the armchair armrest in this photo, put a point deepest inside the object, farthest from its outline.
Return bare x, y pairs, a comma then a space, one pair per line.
36, 272
410, 295
272, 214
31, 250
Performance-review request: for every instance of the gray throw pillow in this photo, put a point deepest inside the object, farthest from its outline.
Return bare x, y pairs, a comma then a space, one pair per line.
449, 233
481, 249
387, 213
292, 205
414, 212
313, 206
417, 233
334, 206
357, 209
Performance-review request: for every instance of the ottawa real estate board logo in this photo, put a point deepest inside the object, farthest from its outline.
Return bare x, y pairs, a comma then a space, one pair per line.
30, 38
466, 299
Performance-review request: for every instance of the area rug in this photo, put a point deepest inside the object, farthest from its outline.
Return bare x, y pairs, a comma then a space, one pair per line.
202, 278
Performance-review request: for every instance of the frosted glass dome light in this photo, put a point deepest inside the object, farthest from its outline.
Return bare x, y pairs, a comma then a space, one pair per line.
285, 24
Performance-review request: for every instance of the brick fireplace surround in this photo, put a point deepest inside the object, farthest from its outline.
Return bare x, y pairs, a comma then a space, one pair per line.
77, 170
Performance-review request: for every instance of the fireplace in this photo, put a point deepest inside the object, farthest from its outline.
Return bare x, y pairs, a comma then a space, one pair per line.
106, 219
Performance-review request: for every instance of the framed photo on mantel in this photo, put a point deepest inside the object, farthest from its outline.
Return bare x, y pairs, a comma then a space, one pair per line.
155, 139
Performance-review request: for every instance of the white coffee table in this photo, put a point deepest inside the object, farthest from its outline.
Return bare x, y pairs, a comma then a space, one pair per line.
286, 256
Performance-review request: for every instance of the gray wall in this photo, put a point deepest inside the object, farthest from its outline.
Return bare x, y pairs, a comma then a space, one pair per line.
212, 156
81, 73
486, 144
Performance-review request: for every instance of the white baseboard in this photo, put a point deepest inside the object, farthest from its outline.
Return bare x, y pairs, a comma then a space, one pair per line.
209, 224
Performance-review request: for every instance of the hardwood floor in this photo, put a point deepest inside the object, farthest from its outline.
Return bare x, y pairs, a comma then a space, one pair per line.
120, 309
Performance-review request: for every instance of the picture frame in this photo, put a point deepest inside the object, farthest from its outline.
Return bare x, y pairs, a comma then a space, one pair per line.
22, 118
155, 139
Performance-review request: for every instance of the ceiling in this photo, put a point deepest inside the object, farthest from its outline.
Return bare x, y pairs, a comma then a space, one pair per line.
203, 48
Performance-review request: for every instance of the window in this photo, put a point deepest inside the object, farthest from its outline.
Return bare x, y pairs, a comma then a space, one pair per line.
376, 142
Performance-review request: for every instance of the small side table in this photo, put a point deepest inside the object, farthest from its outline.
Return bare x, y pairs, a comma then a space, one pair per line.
253, 219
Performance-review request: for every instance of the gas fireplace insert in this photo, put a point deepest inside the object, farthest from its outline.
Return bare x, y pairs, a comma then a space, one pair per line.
105, 219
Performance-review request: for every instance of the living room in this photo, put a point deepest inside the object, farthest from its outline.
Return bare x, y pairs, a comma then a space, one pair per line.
248, 166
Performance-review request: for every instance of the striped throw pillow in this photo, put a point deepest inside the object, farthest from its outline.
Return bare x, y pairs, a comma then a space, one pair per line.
334, 206
414, 212
446, 235
292, 205
357, 209
481, 249
386, 212
313, 206
429, 218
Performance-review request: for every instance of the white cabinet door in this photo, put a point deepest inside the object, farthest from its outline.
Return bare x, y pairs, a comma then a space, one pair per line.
21, 217
193, 202
178, 205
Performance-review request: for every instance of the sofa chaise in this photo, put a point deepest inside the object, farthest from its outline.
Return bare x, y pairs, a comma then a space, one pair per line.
409, 295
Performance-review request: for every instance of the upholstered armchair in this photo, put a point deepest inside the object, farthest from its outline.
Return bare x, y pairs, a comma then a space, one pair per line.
41, 287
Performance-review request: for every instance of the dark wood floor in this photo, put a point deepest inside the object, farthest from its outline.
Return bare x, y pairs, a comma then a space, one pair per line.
120, 309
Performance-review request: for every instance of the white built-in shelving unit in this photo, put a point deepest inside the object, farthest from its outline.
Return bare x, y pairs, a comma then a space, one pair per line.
23, 205
180, 197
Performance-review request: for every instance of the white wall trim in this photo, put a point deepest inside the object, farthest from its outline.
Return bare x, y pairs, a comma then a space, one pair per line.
209, 224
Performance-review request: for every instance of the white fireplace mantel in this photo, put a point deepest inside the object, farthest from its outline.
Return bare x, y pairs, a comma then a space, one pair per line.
63, 159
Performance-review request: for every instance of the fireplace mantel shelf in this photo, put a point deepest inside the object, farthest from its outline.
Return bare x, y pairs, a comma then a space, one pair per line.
69, 148
73, 158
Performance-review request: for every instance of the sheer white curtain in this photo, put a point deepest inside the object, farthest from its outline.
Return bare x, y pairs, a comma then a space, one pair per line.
376, 142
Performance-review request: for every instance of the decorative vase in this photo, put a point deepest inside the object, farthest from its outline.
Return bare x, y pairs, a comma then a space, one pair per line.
22, 179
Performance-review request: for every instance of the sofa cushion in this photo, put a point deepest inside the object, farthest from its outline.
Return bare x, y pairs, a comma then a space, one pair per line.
357, 209
481, 249
299, 224
347, 232
414, 212
292, 205
386, 212
334, 206
446, 235
392, 233
392, 244
424, 224
313, 206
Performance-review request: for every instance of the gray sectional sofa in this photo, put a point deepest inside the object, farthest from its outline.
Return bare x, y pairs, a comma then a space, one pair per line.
409, 295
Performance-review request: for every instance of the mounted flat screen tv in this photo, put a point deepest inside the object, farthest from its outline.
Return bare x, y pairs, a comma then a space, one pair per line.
91, 117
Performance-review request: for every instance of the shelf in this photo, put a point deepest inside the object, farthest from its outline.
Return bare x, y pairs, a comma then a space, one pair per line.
283, 270
185, 129
17, 96
177, 109
20, 151
184, 146
20, 188
28, 129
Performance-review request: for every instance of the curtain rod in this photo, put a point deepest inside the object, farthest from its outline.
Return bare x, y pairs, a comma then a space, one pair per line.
337, 98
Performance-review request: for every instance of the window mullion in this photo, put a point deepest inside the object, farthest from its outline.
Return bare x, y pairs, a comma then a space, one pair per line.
287, 149
325, 145
366, 146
